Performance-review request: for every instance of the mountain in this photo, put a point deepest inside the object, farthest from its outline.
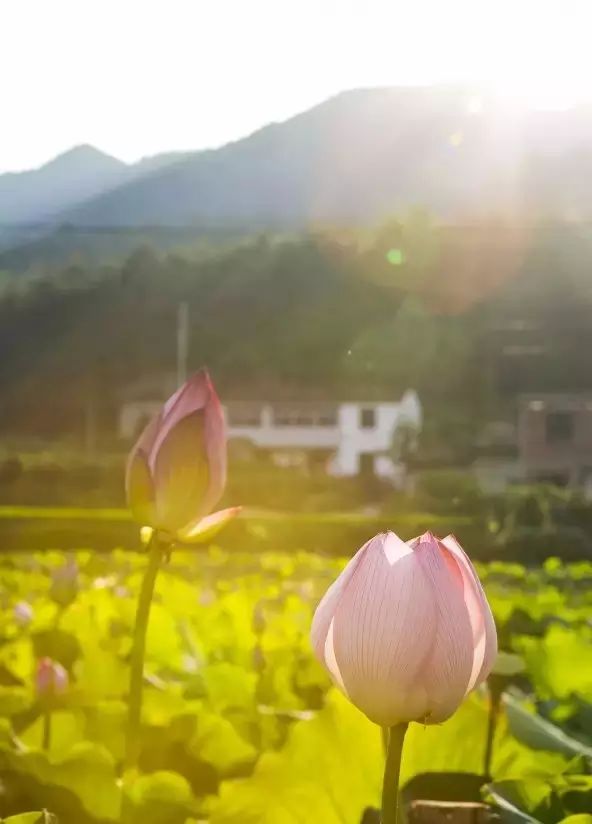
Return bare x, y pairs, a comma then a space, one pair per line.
154, 163
363, 155
38, 195
354, 159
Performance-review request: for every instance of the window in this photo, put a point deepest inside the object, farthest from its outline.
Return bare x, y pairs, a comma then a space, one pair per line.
368, 418
559, 427
327, 418
292, 417
560, 479
244, 414
304, 415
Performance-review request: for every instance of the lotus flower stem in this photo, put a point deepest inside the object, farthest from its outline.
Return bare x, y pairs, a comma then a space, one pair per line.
175, 475
495, 697
132, 750
46, 730
390, 787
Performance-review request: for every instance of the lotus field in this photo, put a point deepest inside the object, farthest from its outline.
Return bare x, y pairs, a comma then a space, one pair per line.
179, 685
241, 724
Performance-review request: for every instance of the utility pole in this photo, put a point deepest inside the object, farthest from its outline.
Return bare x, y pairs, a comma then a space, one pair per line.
90, 428
90, 419
182, 342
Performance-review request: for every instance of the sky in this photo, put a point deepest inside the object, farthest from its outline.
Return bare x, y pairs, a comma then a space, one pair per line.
137, 77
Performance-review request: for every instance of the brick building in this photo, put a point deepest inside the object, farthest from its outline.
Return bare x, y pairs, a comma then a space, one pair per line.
555, 439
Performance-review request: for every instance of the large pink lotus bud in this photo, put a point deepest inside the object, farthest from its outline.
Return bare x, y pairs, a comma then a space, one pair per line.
406, 630
51, 679
177, 470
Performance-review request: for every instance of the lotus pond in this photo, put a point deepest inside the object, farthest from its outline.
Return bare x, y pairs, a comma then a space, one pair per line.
240, 725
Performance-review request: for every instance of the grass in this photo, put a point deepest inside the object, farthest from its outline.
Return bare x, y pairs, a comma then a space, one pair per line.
71, 513
32, 528
63, 513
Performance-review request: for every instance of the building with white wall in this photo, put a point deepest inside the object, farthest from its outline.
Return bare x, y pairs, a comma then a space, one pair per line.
348, 437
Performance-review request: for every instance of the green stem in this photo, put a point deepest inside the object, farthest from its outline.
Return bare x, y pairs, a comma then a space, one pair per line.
390, 787
58, 617
132, 750
46, 730
495, 697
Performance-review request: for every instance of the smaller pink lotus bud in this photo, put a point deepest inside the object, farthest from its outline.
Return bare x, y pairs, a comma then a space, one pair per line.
176, 472
51, 679
406, 630
64, 583
121, 591
207, 597
23, 613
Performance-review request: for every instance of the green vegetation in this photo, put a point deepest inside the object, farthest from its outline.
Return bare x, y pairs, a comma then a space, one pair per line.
525, 524
283, 508
468, 316
240, 723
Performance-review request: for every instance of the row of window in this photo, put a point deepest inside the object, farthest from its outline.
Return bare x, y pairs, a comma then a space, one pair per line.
238, 416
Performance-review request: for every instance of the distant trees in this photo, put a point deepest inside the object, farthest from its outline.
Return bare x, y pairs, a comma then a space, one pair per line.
468, 316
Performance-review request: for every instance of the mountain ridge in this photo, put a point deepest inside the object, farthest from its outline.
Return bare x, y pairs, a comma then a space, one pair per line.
36, 194
362, 155
354, 158
86, 170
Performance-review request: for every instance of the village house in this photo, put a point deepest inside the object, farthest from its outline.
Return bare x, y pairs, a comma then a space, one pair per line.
346, 437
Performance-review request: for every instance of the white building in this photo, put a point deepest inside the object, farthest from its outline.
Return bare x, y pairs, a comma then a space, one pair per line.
349, 436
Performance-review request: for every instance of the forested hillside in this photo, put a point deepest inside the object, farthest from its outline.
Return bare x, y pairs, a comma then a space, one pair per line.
469, 316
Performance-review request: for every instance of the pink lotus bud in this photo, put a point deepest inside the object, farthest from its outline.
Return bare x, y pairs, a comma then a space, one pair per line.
51, 678
64, 583
23, 613
406, 630
177, 470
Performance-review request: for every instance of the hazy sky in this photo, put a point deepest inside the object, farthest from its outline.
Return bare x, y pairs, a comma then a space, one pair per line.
135, 77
